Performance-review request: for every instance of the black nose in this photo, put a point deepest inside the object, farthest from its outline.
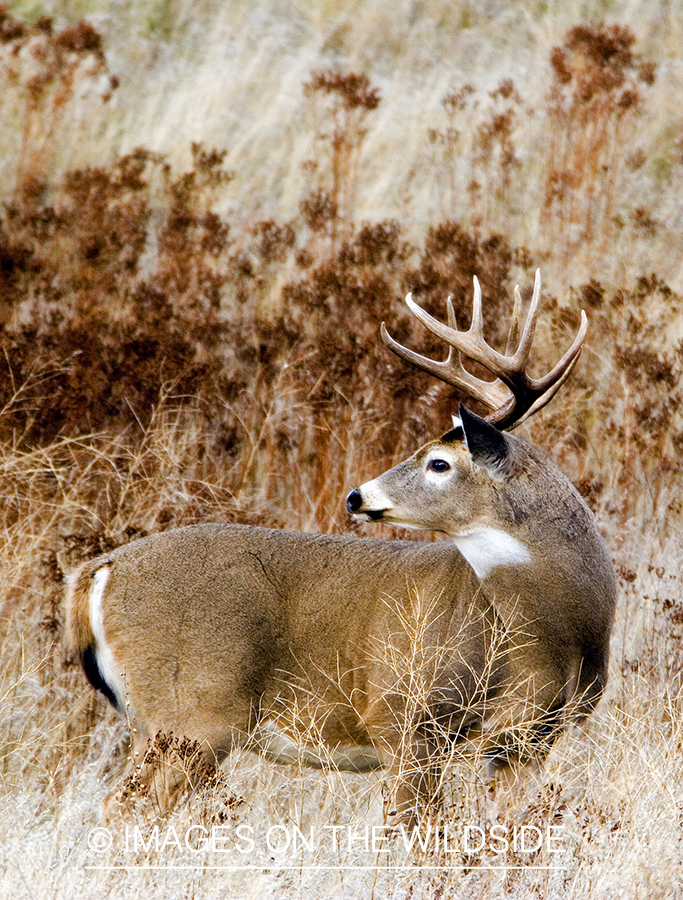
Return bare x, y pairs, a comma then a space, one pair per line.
354, 501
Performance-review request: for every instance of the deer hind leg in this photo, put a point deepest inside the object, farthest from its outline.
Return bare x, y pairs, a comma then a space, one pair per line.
161, 772
512, 785
515, 768
415, 783
172, 764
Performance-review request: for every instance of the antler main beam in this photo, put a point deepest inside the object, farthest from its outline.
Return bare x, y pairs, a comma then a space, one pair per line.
514, 395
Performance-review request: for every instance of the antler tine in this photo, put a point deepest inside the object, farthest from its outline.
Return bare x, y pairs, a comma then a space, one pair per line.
452, 321
521, 356
550, 384
514, 395
513, 334
477, 323
568, 361
491, 393
470, 343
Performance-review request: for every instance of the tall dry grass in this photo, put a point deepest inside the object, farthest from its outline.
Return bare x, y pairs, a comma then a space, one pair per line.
191, 334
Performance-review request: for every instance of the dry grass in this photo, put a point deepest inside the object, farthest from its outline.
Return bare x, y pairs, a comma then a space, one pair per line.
192, 335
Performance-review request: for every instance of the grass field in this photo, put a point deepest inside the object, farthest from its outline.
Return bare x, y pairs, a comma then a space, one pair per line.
208, 209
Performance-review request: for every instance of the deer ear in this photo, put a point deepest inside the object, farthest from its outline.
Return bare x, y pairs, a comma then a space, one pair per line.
488, 447
455, 435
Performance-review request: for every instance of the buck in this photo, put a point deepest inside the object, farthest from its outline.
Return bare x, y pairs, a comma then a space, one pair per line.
356, 652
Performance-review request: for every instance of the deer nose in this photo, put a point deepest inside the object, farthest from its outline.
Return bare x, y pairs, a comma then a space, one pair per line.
354, 501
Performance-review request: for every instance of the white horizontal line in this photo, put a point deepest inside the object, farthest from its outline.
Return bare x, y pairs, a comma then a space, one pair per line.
377, 868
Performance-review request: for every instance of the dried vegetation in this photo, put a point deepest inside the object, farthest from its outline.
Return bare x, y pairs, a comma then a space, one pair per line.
164, 363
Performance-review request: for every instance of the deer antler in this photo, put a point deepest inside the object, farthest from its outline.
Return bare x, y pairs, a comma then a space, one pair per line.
514, 395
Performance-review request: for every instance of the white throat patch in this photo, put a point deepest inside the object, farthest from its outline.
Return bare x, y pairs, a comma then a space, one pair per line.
487, 548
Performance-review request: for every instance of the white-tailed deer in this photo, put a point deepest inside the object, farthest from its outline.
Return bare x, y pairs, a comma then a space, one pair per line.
375, 650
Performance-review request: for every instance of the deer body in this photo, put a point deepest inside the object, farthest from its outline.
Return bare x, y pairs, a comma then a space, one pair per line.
230, 634
287, 613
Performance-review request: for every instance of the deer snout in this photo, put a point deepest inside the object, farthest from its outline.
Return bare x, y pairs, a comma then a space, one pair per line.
366, 503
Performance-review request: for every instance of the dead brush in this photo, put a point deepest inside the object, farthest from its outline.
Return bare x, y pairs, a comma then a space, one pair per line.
110, 340
637, 399
493, 188
451, 144
453, 764
349, 98
655, 615
599, 87
45, 74
482, 130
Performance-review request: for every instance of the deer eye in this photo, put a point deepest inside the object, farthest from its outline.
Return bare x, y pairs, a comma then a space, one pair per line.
438, 465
